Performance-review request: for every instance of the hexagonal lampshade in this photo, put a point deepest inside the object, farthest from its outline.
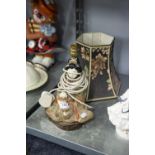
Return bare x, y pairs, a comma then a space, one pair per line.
96, 57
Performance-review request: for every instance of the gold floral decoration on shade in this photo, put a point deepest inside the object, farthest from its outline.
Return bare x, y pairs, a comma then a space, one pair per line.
98, 65
109, 85
85, 53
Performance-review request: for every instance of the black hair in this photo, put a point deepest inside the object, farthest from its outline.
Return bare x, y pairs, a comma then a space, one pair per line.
76, 66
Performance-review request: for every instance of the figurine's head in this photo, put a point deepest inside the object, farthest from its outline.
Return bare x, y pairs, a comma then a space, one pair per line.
42, 12
73, 64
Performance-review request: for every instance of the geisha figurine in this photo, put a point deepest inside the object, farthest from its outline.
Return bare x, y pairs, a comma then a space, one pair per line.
66, 107
41, 32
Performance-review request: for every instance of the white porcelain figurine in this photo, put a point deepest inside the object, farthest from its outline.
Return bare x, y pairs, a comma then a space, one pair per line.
119, 115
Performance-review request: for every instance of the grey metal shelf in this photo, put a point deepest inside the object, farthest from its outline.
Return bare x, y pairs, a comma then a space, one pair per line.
98, 137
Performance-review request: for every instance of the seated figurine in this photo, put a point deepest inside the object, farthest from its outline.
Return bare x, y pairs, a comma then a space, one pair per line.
67, 108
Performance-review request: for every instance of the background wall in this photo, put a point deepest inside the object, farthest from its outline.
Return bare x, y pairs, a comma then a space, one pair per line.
111, 17
108, 16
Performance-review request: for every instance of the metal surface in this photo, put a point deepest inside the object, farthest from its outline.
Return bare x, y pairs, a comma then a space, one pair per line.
54, 72
97, 137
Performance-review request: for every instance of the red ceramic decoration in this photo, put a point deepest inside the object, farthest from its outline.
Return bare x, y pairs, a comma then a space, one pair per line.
41, 32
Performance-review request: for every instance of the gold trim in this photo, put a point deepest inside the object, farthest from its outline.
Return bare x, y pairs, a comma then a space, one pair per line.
103, 98
97, 46
83, 44
109, 73
90, 58
115, 92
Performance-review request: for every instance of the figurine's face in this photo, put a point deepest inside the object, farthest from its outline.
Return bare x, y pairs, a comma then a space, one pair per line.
38, 17
72, 73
